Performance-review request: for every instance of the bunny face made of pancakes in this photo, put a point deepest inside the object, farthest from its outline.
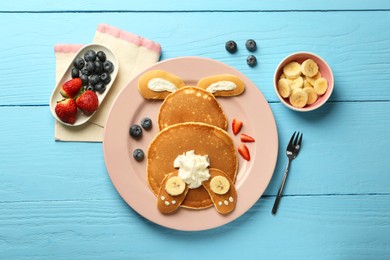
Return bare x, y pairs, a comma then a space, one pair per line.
192, 161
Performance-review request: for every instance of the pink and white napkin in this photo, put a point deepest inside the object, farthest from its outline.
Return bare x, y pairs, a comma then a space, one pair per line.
134, 54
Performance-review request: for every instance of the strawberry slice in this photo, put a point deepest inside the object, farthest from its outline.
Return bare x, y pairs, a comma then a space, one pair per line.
246, 138
236, 126
243, 150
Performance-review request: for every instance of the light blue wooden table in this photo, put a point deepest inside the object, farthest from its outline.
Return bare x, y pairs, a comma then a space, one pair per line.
57, 201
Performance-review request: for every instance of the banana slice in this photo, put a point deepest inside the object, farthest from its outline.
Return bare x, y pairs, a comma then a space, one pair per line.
298, 98
284, 88
219, 185
320, 86
292, 70
313, 79
309, 68
223, 203
295, 83
306, 83
175, 186
311, 95
166, 203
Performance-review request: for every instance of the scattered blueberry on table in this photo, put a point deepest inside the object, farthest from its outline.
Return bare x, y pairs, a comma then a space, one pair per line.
231, 46
251, 45
251, 60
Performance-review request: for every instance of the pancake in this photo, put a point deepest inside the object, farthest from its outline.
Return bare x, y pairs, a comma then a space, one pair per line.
160, 80
223, 85
180, 138
191, 104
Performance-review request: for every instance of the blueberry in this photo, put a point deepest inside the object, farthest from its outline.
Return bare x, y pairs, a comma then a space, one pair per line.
75, 73
146, 123
100, 87
108, 66
251, 45
78, 63
101, 56
135, 131
90, 88
84, 79
105, 77
85, 72
98, 66
90, 66
90, 55
251, 60
231, 46
138, 154
94, 79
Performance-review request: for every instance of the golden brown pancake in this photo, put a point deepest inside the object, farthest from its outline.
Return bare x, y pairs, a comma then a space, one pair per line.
180, 138
147, 93
209, 81
191, 104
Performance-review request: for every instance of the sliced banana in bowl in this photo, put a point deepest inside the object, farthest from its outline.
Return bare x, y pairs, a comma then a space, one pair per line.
303, 81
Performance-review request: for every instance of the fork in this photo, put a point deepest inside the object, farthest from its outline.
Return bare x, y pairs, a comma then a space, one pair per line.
292, 152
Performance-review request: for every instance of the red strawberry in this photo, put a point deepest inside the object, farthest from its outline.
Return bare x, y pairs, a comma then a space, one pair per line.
66, 110
243, 150
246, 138
236, 126
87, 102
71, 88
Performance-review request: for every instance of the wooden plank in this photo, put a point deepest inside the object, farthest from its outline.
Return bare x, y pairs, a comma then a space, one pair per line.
35, 167
176, 5
322, 227
357, 51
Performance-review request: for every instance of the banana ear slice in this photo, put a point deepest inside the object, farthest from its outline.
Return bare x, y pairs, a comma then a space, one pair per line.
158, 84
167, 203
222, 191
223, 85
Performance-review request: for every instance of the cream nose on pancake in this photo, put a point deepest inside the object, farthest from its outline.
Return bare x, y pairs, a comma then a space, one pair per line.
191, 104
177, 139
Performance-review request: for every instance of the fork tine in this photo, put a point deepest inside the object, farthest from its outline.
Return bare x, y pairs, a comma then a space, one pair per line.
300, 139
292, 139
295, 142
296, 139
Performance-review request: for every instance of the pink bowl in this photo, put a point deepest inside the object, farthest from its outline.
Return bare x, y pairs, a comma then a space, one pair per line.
323, 67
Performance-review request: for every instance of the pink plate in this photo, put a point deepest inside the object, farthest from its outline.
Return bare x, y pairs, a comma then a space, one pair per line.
129, 176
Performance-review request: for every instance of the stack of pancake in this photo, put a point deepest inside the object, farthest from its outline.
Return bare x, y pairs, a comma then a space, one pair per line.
190, 119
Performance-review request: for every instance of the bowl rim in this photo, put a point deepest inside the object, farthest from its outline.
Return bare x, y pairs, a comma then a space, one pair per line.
278, 67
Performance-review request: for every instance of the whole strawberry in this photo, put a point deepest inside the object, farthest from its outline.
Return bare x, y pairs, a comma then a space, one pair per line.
87, 102
71, 88
66, 110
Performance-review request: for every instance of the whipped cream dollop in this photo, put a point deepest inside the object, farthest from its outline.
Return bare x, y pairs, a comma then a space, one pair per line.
193, 169
221, 85
159, 85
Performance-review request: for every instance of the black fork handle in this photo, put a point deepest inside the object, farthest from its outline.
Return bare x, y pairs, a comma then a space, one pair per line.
280, 191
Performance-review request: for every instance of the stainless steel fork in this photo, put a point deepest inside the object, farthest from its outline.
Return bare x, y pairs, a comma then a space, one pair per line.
292, 151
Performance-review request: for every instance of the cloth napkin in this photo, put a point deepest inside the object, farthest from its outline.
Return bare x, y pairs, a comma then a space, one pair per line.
134, 54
